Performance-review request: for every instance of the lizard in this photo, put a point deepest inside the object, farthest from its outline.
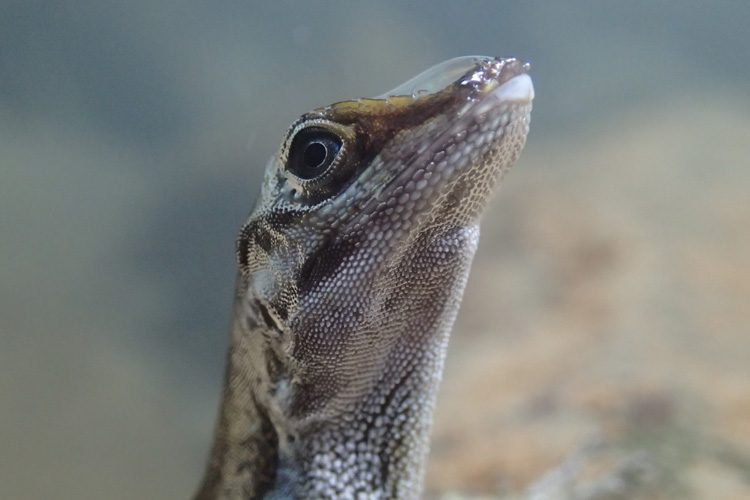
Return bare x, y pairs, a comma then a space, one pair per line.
352, 267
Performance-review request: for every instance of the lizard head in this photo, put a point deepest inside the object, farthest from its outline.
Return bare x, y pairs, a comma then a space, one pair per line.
360, 244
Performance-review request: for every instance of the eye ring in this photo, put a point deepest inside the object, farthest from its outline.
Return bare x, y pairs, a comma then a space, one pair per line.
312, 152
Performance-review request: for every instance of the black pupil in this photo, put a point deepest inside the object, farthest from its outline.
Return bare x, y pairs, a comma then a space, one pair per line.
315, 155
312, 152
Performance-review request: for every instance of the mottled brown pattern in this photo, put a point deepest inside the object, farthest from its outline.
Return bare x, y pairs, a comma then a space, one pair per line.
352, 273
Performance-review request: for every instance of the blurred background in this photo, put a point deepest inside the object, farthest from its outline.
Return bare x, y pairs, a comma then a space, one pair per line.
609, 302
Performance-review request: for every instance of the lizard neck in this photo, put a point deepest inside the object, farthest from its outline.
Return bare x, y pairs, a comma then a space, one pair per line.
378, 450
244, 453
372, 441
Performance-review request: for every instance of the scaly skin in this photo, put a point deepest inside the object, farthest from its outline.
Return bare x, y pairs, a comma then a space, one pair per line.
352, 269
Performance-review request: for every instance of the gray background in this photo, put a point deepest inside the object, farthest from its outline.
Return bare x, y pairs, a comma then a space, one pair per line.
132, 141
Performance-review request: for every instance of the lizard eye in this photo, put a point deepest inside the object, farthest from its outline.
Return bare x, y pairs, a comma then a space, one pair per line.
312, 152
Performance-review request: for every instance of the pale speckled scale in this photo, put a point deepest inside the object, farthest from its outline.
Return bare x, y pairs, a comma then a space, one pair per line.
352, 269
